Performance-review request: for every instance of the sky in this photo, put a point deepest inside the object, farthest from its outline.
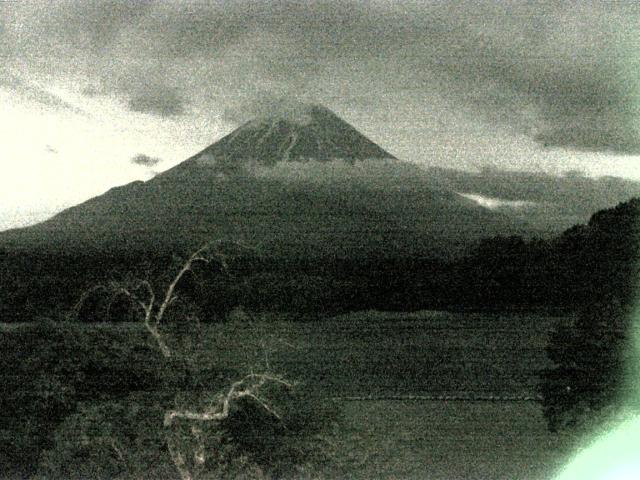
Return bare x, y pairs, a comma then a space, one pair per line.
95, 94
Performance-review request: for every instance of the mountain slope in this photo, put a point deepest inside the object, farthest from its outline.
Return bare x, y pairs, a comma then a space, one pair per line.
303, 185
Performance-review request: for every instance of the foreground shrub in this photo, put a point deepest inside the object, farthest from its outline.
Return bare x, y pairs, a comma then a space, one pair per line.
39, 371
126, 439
48, 368
109, 440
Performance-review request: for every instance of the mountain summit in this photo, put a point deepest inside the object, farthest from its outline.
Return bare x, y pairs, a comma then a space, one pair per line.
292, 133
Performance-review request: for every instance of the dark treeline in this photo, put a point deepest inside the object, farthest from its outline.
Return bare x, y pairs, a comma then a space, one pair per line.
561, 274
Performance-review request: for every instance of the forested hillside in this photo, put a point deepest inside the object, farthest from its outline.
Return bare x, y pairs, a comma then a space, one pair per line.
563, 274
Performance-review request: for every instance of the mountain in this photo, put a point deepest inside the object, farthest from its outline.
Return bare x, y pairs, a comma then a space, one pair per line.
298, 182
308, 132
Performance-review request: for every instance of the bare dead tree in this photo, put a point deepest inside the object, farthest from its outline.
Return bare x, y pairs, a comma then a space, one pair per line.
154, 308
246, 388
143, 296
141, 293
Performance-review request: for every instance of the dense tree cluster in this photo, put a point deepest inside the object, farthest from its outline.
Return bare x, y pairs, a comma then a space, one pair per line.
591, 355
594, 355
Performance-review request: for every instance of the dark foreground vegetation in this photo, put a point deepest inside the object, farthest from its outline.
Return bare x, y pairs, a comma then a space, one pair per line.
85, 388
88, 402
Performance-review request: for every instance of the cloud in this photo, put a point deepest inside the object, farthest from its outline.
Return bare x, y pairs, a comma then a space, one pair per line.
493, 203
35, 93
160, 100
566, 77
607, 137
574, 191
265, 106
376, 173
561, 75
145, 160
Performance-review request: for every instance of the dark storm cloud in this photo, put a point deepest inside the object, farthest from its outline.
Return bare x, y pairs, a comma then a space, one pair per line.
159, 100
566, 76
145, 160
562, 73
616, 138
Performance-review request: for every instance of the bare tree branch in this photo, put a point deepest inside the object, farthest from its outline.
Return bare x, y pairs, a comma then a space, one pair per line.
150, 323
169, 296
118, 451
179, 461
141, 293
75, 310
247, 387
243, 388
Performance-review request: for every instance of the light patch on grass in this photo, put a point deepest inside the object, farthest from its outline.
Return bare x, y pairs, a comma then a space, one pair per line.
615, 453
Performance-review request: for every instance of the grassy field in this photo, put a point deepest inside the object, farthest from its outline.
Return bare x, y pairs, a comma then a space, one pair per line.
454, 440
380, 354
427, 354
388, 357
